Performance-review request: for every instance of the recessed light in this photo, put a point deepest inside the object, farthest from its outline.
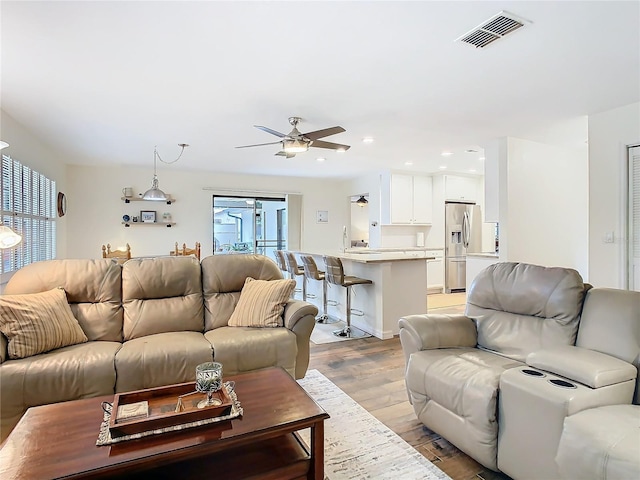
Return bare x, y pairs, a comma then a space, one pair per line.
321, 159
472, 170
481, 159
408, 163
340, 150
446, 154
367, 140
443, 167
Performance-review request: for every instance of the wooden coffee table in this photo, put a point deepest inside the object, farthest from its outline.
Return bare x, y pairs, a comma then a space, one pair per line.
59, 440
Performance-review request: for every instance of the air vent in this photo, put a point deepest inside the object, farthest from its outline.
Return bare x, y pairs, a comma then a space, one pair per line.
493, 29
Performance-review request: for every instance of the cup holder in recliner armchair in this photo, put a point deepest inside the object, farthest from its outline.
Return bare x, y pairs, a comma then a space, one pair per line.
533, 373
562, 383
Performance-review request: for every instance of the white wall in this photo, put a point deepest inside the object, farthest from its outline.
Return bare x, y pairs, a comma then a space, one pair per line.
547, 206
29, 150
610, 133
95, 210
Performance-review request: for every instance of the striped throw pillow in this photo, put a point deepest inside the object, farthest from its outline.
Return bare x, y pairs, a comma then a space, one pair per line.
261, 303
38, 322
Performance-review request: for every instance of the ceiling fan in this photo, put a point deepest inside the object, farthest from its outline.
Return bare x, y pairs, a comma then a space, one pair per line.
296, 142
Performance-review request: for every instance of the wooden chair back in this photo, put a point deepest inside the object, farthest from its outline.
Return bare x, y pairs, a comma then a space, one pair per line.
184, 251
121, 255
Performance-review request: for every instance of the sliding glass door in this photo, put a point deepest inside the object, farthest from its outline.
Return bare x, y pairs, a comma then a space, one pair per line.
249, 225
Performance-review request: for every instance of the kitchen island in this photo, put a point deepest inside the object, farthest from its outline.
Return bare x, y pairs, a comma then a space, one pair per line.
399, 287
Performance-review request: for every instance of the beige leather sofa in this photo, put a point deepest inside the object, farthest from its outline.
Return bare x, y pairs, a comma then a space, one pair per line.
500, 381
149, 323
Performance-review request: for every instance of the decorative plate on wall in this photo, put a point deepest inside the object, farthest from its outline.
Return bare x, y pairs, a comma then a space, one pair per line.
62, 204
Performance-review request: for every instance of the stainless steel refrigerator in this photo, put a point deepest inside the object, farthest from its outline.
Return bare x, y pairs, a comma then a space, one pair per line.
463, 230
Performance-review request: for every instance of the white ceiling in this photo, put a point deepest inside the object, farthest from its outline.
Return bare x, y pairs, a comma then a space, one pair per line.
103, 82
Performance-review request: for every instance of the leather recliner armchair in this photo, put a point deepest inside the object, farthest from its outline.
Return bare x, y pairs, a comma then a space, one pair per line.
454, 362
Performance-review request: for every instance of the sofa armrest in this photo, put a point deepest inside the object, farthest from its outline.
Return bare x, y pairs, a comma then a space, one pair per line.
425, 332
300, 318
582, 365
294, 310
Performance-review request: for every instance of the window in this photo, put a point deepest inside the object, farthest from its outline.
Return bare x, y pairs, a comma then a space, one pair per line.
28, 207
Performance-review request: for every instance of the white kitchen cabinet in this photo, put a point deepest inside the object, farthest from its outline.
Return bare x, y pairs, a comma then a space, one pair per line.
461, 188
410, 199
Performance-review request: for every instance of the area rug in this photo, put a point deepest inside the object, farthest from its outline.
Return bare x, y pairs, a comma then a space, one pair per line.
323, 333
358, 445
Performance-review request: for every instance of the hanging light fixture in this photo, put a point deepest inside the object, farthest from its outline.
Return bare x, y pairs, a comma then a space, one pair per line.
8, 238
361, 202
154, 193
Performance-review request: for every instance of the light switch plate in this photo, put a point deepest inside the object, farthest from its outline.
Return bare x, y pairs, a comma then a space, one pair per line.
609, 237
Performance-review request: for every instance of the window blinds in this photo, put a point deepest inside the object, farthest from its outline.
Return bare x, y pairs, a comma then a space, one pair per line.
28, 207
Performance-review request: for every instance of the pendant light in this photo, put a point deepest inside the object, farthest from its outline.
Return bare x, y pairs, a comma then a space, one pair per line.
361, 202
154, 193
8, 238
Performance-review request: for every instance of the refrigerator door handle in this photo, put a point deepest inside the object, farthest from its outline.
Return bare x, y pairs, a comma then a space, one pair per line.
465, 230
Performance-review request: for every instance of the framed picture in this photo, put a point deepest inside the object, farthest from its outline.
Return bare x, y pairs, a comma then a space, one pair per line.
147, 216
322, 216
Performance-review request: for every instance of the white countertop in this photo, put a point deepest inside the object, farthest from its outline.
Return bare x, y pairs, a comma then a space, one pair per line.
483, 255
365, 255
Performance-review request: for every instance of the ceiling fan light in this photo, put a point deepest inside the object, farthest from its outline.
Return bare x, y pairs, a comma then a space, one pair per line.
295, 146
8, 238
361, 202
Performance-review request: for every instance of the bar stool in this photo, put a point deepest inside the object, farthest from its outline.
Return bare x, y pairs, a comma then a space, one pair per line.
294, 270
280, 260
335, 275
311, 272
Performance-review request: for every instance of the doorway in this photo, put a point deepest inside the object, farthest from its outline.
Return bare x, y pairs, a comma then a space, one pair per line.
633, 227
243, 225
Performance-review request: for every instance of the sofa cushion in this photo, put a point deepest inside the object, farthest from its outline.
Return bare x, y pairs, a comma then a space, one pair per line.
93, 289
223, 277
456, 389
160, 359
78, 371
38, 322
241, 349
162, 294
520, 308
261, 303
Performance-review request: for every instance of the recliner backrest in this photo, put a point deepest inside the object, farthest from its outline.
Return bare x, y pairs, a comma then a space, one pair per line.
93, 290
161, 294
610, 324
519, 308
223, 277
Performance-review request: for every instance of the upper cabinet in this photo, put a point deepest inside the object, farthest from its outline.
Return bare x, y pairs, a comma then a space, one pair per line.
406, 199
461, 188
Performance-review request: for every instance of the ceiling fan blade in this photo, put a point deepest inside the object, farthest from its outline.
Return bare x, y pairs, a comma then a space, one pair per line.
331, 145
323, 133
258, 145
282, 153
272, 132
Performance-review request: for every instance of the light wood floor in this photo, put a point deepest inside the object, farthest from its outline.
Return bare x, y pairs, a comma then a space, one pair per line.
371, 371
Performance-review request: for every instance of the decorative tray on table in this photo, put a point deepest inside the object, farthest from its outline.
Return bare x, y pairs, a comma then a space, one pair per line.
170, 408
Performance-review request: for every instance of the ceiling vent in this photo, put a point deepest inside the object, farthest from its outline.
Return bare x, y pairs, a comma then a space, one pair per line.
496, 27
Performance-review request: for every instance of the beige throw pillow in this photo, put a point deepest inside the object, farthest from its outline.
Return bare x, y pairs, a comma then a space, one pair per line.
261, 303
38, 322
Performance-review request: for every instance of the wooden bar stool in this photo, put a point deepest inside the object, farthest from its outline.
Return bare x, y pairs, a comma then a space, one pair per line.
335, 275
294, 270
281, 261
311, 272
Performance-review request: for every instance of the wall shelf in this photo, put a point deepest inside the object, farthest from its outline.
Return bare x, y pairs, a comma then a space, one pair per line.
137, 199
149, 224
